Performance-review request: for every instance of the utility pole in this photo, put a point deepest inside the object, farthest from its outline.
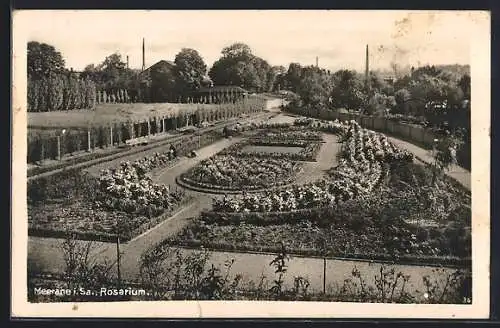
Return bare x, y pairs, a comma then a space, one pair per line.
324, 275
118, 257
143, 56
367, 71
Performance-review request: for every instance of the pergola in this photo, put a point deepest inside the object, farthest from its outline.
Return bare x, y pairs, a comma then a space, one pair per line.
219, 94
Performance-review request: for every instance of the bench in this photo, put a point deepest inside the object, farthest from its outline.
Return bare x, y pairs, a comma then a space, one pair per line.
137, 141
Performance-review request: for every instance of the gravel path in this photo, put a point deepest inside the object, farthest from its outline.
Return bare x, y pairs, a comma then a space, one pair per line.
456, 172
326, 159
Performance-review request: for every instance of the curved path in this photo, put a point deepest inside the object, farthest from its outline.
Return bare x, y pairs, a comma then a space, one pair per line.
456, 172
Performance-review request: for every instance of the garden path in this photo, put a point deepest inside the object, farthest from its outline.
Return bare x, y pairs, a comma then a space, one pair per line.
456, 172
326, 159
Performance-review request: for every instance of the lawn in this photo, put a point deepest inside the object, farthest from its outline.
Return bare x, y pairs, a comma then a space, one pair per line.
108, 113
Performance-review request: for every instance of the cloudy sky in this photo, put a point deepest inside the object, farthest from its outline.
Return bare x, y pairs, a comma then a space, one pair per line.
338, 38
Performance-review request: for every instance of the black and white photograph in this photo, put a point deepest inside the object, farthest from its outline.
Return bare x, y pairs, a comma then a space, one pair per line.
254, 163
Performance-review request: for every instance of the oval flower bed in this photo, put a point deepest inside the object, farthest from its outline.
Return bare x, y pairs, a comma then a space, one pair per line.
240, 173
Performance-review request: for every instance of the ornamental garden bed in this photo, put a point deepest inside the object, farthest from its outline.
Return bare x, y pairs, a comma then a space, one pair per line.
289, 133
370, 206
252, 149
293, 150
228, 172
122, 200
374, 227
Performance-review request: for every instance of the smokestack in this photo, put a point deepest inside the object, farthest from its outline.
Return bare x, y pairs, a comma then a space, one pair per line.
317, 61
367, 70
143, 56
127, 62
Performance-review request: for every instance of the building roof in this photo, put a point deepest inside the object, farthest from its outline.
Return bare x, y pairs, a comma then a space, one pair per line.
160, 63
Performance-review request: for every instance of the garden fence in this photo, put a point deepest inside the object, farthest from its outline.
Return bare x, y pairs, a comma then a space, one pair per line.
55, 144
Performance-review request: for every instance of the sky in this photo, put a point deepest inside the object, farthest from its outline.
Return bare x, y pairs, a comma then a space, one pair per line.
337, 38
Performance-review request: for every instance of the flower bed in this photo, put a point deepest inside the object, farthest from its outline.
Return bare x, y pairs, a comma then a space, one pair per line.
123, 200
241, 173
365, 159
290, 133
309, 151
382, 225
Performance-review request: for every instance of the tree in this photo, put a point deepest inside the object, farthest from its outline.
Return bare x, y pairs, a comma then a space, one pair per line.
348, 90
379, 103
444, 153
238, 51
111, 75
293, 76
464, 84
280, 78
190, 70
315, 87
238, 66
43, 60
163, 84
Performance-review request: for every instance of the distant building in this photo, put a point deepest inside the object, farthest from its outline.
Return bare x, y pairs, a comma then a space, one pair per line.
163, 65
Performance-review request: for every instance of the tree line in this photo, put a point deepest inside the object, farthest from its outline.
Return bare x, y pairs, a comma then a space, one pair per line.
438, 90
52, 87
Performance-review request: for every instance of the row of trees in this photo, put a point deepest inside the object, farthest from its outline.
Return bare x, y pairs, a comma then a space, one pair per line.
52, 87
439, 91
60, 92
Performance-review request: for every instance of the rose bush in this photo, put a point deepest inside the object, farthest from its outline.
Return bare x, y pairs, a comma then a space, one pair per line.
127, 188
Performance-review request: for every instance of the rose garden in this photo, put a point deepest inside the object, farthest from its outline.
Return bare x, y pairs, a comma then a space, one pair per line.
375, 202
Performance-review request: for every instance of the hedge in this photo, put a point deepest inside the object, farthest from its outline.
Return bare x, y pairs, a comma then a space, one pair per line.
402, 259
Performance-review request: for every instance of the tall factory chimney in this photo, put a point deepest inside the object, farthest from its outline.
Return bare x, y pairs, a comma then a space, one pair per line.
317, 61
367, 70
143, 56
127, 63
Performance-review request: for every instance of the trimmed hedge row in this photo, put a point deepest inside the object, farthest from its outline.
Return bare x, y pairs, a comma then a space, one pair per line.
244, 248
316, 215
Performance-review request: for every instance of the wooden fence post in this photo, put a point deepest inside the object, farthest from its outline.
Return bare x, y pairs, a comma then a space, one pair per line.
42, 150
88, 139
58, 148
111, 135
